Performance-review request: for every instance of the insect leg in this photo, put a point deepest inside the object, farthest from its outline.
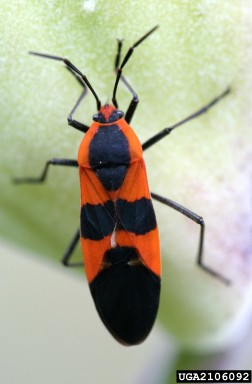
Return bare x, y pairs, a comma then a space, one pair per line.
199, 220
166, 131
70, 250
74, 123
42, 177
134, 102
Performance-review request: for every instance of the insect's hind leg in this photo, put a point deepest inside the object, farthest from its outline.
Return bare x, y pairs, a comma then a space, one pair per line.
199, 220
42, 177
70, 250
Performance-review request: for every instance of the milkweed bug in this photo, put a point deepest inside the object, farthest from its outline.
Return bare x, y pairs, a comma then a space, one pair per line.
118, 229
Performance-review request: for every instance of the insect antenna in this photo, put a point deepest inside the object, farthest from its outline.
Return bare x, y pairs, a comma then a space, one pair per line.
74, 69
125, 60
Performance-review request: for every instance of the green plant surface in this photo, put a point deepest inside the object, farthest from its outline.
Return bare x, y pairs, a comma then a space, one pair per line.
200, 49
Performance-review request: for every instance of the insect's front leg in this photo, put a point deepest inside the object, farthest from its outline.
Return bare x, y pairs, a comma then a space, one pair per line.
74, 123
119, 68
166, 131
134, 102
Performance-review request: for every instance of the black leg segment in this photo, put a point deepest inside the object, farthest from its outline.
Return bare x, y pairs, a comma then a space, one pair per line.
134, 102
199, 220
74, 123
70, 250
42, 177
166, 131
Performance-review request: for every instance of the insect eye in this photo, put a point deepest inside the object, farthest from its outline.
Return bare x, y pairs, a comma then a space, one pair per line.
96, 117
120, 114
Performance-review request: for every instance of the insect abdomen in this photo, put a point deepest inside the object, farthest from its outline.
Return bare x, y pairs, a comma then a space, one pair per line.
126, 295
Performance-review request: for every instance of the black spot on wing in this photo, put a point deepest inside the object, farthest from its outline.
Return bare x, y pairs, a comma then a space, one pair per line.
126, 295
97, 221
137, 216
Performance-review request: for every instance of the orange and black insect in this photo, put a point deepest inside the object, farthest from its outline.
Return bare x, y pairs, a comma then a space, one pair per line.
118, 228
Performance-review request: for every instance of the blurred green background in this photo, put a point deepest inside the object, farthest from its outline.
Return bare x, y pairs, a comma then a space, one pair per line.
201, 48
